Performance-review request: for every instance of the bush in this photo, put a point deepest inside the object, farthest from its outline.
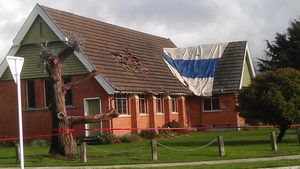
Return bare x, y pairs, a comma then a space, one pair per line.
149, 134
106, 137
171, 124
38, 142
8, 143
171, 133
129, 138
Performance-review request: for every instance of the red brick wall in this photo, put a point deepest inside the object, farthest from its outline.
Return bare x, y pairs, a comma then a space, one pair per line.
194, 111
38, 121
226, 116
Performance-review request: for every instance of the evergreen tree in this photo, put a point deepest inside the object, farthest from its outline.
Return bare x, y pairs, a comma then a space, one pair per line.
284, 51
272, 98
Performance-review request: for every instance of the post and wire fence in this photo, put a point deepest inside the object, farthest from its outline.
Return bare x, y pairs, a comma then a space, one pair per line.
153, 142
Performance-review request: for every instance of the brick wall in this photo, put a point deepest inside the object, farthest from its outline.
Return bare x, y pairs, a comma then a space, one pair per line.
38, 121
227, 116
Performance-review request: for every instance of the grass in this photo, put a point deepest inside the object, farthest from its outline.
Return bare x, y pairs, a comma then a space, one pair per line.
242, 144
264, 164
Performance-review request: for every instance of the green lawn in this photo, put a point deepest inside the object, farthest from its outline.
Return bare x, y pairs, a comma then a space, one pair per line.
242, 144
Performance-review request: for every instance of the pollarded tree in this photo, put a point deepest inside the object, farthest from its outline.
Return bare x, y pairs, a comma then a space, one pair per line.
272, 98
284, 51
63, 143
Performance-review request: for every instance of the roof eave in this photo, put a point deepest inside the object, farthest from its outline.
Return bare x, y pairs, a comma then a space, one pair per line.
247, 56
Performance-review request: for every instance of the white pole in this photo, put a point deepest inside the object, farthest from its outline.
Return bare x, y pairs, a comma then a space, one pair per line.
15, 64
20, 121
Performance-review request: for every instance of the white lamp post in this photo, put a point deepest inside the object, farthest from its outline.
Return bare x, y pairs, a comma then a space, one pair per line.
15, 65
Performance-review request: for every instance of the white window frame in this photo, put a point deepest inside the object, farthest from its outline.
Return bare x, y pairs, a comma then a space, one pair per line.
159, 99
211, 104
174, 102
122, 98
142, 101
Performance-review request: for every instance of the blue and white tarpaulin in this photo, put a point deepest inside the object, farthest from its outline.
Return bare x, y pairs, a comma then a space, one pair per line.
195, 66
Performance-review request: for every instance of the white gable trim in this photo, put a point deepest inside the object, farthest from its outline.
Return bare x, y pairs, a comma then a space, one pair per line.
24, 29
247, 56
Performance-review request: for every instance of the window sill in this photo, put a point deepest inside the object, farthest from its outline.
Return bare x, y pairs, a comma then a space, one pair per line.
160, 114
212, 111
144, 114
35, 109
124, 115
70, 107
175, 113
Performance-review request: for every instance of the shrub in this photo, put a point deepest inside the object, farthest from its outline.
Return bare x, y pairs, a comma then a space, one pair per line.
149, 134
106, 137
171, 124
171, 133
38, 142
8, 143
129, 138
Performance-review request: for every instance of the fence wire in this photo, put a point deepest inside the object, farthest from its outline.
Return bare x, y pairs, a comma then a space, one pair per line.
119, 152
195, 149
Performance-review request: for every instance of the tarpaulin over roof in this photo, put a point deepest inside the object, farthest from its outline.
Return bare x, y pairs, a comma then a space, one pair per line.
195, 66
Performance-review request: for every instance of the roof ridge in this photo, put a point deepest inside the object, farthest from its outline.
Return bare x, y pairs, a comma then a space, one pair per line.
102, 22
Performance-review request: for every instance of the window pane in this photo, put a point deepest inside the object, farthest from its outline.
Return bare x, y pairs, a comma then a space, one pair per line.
142, 102
207, 104
119, 105
174, 108
124, 106
30, 94
158, 104
68, 95
47, 92
215, 104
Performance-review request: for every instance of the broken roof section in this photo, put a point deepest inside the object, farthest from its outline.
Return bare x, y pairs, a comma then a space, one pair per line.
130, 61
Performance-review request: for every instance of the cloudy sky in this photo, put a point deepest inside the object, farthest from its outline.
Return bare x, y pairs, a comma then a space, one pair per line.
185, 22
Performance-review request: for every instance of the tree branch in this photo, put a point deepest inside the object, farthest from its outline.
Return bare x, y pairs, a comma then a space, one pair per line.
74, 84
75, 120
66, 53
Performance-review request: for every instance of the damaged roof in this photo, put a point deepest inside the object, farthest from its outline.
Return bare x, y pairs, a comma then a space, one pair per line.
129, 60
132, 61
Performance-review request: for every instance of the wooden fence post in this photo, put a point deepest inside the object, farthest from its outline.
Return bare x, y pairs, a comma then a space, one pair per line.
153, 149
83, 155
221, 146
18, 153
273, 141
298, 134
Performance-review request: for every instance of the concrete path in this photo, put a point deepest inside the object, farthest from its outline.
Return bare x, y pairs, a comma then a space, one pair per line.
248, 160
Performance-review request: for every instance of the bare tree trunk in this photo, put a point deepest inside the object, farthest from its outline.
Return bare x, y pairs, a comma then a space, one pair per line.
282, 130
63, 143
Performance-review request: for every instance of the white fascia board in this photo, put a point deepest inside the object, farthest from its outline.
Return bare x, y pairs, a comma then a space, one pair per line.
3, 65
106, 86
243, 67
246, 56
24, 29
250, 60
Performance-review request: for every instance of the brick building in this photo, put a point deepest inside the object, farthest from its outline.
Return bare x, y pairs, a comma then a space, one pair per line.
145, 93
